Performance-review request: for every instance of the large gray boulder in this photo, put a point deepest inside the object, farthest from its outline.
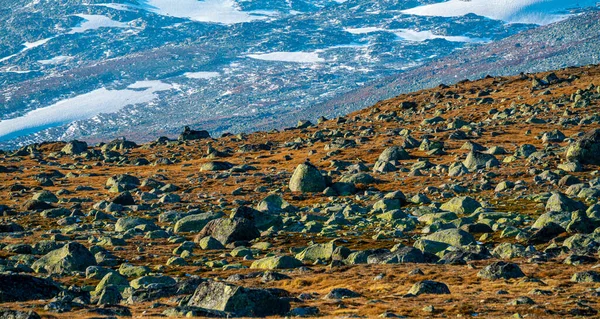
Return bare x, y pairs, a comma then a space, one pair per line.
478, 160
461, 205
393, 153
239, 301
586, 149
126, 223
195, 223
71, 257
501, 270
276, 262
75, 148
559, 202
307, 179
454, 237
229, 230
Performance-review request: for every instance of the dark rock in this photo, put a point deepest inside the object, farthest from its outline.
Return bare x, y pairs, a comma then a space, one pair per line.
240, 301
229, 230
17, 314
189, 135
429, 287
501, 270
24, 288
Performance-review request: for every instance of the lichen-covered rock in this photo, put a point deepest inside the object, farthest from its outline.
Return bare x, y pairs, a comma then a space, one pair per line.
393, 153
276, 262
317, 252
307, 179
429, 287
71, 257
454, 237
195, 223
239, 301
501, 270
210, 243
559, 202
586, 276
229, 230
75, 148
126, 223
586, 149
478, 160
461, 205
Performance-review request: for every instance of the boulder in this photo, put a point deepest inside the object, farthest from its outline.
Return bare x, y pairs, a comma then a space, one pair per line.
454, 237
307, 179
586, 276
586, 149
195, 223
229, 230
317, 252
461, 205
404, 254
75, 148
215, 166
393, 153
501, 270
209, 243
477, 160
429, 287
273, 204
126, 223
341, 293
237, 300
18, 314
276, 262
189, 135
559, 202
16, 288
71, 257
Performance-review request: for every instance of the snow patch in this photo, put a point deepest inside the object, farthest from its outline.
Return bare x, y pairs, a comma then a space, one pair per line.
201, 75
419, 36
81, 107
93, 22
28, 46
56, 60
294, 57
413, 35
511, 11
215, 11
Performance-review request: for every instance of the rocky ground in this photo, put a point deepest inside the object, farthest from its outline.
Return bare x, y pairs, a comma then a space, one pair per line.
476, 199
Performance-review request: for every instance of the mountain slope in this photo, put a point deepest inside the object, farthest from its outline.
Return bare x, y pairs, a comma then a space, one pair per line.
572, 42
456, 201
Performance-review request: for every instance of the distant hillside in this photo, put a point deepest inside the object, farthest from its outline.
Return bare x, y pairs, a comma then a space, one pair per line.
572, 42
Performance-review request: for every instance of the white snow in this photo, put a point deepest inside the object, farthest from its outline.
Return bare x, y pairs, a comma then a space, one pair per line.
412, 35
116, 6
511, 11
216, 11
364, 30
94, 21
419, 36
82, 107
56, 60
201, 75
28, 46
31, 45
295, 57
